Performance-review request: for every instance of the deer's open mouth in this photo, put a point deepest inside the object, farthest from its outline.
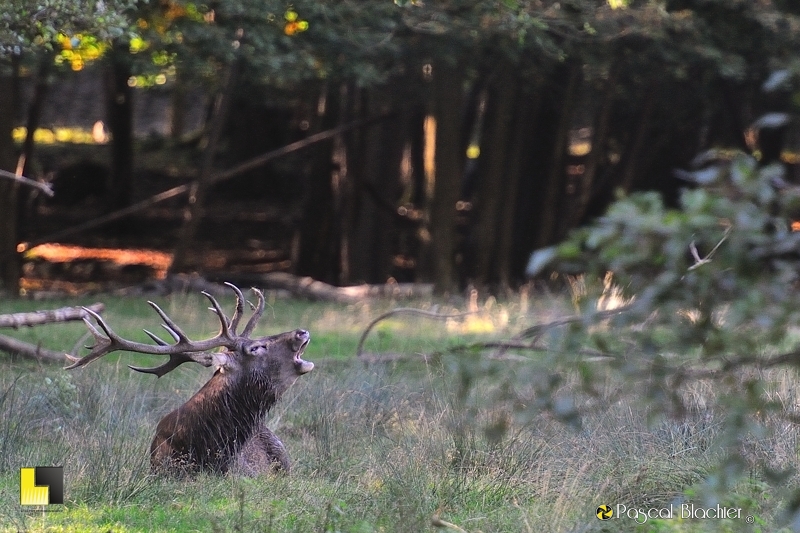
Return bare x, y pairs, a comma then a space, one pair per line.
301, 365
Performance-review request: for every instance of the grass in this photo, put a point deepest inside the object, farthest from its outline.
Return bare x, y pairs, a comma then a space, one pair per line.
378, 448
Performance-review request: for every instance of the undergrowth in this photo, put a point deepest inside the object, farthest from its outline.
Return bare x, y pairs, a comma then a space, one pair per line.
384, 447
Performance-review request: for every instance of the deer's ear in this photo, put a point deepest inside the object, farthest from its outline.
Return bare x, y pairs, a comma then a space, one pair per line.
222, 360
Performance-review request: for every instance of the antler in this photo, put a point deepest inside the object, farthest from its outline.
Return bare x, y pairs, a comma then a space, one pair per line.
183, 349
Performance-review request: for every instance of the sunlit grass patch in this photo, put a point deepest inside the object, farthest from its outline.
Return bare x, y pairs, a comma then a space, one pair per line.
54, 135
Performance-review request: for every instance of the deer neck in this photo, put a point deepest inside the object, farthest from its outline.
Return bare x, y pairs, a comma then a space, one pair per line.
234, 404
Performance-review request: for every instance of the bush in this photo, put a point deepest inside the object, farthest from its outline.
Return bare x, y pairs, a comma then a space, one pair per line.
707, 333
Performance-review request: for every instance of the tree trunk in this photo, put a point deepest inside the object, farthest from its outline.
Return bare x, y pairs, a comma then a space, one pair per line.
35, 110
318, 250
25, 204
525, 111
177, 106
416, 140
351, 182
554, 185
379, 190
197, 196
448, 97
493, 166
598, 151
120, 123
634, 152
10, 264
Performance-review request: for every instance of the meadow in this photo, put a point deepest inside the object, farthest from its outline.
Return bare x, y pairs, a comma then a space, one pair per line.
400, 445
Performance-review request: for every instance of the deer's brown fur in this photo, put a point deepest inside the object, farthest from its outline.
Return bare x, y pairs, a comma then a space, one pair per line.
211, 429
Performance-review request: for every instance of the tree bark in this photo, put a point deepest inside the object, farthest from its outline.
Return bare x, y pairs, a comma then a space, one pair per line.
554, 185
598, 152
10, 263
307, 287
318, 240
379, 190
35, 110
351, 181
25, 212
120, 123
31, 351
177, 106
448, 97
526, 109
634, 153
493, 165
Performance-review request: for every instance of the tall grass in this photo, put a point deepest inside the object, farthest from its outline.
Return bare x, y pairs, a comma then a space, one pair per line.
385, 447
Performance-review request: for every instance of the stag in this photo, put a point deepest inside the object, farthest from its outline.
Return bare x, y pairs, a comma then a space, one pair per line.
222, 426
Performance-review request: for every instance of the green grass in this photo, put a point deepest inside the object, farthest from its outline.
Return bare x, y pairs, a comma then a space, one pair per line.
377, 448
335, 328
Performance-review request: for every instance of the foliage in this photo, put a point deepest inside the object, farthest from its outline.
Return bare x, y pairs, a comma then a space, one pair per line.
712, 288
28, 25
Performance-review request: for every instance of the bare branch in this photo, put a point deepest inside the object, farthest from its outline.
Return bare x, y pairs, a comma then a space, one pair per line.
33, 351
707, 259
35, 318
407, 311
538, 329
45, 188
222, 176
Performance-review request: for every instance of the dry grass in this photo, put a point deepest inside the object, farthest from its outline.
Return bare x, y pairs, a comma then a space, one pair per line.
377, 448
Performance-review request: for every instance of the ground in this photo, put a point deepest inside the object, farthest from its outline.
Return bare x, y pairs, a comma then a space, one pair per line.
383, 447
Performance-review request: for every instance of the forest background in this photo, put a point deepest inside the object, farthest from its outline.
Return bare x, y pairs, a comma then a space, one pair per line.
462, 135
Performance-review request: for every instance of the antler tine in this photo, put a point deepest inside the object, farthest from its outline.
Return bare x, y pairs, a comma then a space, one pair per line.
237, 315
175, 360
170, 326
156, 338
182, 351
102, 345
259, 310
171, 332
225, 325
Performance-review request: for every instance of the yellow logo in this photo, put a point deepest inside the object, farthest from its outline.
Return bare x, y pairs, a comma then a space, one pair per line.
604, 512
42, 485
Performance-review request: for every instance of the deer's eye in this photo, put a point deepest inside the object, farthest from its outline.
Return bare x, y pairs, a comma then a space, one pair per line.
257, 350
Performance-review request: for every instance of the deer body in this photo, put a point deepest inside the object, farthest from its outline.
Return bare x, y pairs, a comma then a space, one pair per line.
220, 427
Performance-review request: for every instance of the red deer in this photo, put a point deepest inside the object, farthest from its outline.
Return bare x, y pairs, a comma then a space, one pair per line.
222, 426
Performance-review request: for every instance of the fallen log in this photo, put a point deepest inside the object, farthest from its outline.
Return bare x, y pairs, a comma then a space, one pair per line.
32, 351
310, 288
307, 287
35, 318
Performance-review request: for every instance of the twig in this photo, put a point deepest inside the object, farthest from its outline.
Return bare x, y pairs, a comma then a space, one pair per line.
538, 329
438, 522
45, 188
409, 311
385, 358
707, 259
590, 356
